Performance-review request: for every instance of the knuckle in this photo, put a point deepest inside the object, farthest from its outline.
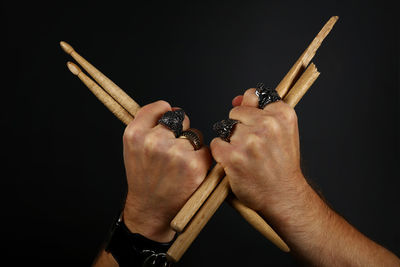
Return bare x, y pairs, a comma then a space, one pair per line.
214, 144
287, 114
234, 111
193, 166
252, 141
163, 104
131, 134
236, 158
274, 127
152, 143
176, 153
160, 104
270, 125
249, 91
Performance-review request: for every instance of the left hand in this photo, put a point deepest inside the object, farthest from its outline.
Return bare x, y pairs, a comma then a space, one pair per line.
162, 172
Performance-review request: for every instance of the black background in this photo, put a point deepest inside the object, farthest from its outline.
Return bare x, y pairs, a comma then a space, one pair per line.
63, 174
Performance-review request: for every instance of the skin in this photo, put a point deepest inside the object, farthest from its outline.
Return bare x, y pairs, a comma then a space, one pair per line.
262, 162
277, 189
162, 172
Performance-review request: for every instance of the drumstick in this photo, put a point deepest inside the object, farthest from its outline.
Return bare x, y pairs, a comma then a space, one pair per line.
211, 181
305, 58
200, 219
117, 109
257, 222
105, 98
109, 86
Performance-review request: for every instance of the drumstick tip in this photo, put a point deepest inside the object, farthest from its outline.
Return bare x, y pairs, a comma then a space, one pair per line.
333, 20
73, 68
66, 47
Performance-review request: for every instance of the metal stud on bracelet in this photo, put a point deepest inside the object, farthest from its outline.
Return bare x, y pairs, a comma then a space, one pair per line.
133, 249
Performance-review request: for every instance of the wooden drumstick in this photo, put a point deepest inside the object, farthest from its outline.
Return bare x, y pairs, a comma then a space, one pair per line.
197, 199
301, 86
305, 58
120, 112
109, 86
200, 219
255, 220
105, 98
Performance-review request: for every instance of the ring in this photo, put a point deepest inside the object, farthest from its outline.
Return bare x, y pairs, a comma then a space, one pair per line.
194, 136
224, 128
173, 121
266, 95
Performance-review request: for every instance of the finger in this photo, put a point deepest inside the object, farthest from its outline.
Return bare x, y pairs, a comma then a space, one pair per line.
237, 101
239, 132
204, 155
274, 107
164, 131
246, 115
148, 116
186, 120
220, 149
250, 98
168, 133
188, 142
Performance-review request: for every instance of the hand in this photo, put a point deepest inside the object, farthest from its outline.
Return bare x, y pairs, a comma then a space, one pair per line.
162, 172
262, 160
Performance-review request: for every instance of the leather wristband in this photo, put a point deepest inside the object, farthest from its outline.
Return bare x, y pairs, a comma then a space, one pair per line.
132, 249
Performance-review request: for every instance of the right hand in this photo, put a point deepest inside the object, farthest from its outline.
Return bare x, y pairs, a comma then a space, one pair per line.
262, 161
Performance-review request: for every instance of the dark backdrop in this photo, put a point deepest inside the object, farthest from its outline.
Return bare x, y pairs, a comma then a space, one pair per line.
63, 174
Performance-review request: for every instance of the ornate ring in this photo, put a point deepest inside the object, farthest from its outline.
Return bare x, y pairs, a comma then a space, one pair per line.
173, 121
266, 95
224, 128
194, 136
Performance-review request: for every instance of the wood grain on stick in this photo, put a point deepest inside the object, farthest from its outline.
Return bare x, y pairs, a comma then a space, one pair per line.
125, 109
200, 219
257, 222
210, 206
109, 86
305, 58
104, 97
254, 219
208, 184
197, 199
302, 85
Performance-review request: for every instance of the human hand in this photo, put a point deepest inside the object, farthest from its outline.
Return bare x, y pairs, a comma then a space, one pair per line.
262, 160
162, 172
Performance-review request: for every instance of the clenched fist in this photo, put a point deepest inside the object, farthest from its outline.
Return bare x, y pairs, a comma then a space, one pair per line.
162, 172
262, 160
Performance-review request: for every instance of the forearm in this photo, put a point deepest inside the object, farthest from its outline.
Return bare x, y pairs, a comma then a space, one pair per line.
319, 236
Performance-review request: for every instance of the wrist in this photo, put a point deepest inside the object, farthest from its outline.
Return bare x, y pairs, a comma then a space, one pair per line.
303, 219
286, 199
147, 223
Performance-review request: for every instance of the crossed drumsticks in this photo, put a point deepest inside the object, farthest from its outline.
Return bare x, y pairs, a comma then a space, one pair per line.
215, 188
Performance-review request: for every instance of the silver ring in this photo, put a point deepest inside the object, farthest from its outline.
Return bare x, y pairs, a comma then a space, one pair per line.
224, 128
266, 95
173, 121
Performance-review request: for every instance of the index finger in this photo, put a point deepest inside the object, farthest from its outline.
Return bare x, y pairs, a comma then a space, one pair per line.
250, 99
148, 116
